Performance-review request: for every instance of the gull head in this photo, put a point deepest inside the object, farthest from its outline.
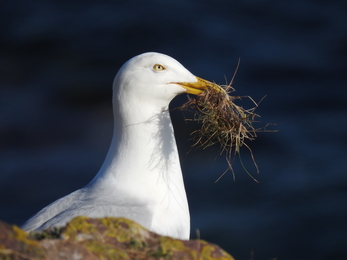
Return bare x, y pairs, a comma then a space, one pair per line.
154, 79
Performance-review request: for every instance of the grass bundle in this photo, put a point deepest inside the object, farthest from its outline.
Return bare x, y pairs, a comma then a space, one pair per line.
223, 122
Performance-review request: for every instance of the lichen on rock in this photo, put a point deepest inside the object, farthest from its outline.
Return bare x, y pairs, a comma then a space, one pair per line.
105, 238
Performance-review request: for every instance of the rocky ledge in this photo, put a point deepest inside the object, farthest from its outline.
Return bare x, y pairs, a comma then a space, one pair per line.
106, 238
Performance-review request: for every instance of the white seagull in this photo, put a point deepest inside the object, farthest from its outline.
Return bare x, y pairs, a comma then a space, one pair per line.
141, 177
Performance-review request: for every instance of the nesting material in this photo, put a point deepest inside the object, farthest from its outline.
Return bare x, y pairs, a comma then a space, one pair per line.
223, 122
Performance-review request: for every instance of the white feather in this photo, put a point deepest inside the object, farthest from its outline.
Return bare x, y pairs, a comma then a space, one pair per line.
141, 177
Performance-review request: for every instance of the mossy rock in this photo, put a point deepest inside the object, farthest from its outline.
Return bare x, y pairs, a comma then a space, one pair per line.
105, 238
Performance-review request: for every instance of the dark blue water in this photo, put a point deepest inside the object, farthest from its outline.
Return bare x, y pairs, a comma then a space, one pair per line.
58, 60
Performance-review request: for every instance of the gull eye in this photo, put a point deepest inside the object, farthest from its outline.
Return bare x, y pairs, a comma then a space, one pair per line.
159, 67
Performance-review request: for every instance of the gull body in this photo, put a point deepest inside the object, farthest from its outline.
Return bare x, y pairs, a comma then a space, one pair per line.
141, 177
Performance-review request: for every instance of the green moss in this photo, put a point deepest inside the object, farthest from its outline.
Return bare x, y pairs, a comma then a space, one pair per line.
208, 251
168, 244
21, 235
108, 238
76, 226
51, 233
169, 248
100, 236
173, 249
116, 229
125, 231
136, 244
160, 252
26, 245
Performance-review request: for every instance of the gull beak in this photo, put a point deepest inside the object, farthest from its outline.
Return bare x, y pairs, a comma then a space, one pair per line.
196, 88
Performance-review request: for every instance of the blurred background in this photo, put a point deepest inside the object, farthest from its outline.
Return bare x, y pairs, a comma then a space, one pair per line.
58, 60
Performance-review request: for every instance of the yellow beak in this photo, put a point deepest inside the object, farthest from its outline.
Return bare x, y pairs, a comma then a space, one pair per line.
198, 87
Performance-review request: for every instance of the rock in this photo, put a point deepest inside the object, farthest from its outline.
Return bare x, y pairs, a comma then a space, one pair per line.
106, 238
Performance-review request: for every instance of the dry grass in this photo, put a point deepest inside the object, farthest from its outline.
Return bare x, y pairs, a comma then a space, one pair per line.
223, 122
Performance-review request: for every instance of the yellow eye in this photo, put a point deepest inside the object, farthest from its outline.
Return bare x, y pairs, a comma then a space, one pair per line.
159, 67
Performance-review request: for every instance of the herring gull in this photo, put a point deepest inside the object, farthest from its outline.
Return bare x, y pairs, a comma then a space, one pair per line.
141, 177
